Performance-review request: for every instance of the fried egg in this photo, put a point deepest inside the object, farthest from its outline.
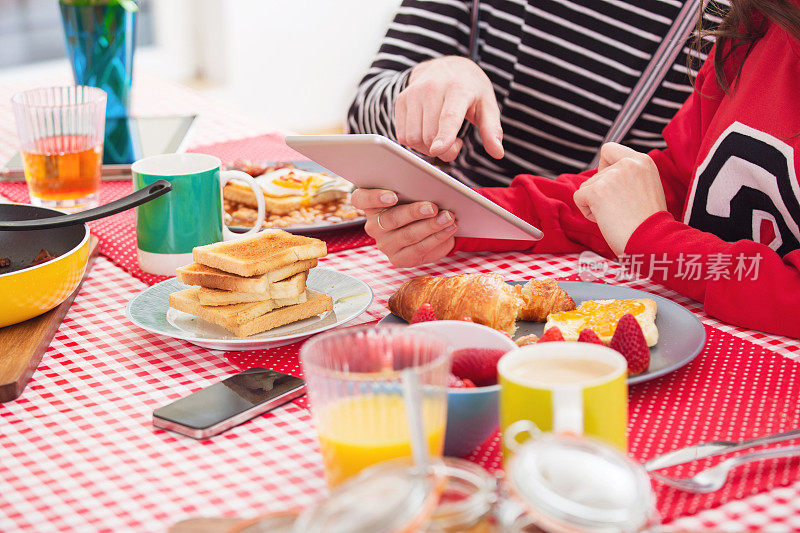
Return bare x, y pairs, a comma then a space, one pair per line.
286, 182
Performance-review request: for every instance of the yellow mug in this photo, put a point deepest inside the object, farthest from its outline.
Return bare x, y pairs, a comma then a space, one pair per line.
566, 387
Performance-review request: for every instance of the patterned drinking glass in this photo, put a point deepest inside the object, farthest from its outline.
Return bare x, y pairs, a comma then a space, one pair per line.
61, 137
100, 38
354, 384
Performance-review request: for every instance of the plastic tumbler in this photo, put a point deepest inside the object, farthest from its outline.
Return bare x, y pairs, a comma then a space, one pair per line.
354, 384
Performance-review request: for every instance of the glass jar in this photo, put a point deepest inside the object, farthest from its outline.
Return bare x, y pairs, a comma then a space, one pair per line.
569, 484
395, 497
389, 497
467, 501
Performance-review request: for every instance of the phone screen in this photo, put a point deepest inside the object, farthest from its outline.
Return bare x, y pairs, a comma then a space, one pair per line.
241, 394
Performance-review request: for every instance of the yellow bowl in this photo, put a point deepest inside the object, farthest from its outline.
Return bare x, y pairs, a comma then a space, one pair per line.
35, 290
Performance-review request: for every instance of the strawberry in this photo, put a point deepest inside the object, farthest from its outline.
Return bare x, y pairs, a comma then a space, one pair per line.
629, 340
478, 365
425, 313
467, 319
457, 383
588, 335
551, 335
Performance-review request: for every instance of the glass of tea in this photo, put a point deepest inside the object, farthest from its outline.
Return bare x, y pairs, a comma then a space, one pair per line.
61, 136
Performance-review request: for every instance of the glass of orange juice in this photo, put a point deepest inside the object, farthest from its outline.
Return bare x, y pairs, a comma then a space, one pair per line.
61, 134
354, 384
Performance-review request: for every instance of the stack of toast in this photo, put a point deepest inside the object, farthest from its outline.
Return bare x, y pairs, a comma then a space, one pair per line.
254, 284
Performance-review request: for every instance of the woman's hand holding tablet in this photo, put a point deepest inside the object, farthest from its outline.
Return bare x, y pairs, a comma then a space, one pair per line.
409, 234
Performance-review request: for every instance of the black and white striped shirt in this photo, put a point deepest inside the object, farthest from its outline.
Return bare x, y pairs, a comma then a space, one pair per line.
561, 71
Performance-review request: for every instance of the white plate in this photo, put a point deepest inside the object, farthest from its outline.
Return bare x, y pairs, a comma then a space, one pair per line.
317, 227
681, 335
150, 310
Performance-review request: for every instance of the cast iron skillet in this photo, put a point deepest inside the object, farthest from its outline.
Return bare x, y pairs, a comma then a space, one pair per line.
25, 230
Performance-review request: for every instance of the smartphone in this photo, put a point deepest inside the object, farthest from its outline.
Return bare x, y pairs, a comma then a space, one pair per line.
230, 402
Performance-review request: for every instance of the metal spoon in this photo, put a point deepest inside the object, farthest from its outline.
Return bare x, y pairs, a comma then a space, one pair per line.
712, 479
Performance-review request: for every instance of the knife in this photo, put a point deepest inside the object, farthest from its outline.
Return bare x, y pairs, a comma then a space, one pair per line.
710, 449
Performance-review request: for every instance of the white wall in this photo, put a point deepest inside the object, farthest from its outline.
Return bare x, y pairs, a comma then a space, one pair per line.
292, 63
176, 38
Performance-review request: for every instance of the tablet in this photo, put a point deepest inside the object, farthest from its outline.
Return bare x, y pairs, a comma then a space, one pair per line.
375, 162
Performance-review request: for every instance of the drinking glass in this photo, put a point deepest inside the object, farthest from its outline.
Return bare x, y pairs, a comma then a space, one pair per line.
354, 384
61, 135
100, 42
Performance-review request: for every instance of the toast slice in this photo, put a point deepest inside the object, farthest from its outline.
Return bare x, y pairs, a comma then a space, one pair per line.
197, 274
315, 304
279, 206
266, 250
604, 319
291, 287
227, 316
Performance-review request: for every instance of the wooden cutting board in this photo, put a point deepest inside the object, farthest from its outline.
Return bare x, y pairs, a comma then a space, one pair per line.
205, 525
22, 345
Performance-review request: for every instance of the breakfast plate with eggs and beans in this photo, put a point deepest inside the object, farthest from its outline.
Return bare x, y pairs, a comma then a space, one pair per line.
299, 197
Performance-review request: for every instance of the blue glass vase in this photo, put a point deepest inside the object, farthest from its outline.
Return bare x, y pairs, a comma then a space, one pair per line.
100, 43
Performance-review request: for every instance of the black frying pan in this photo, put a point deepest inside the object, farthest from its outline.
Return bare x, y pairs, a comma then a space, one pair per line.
25, 230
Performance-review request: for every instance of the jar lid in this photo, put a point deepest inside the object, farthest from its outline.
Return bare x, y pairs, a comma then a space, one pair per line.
567, 482
390, 497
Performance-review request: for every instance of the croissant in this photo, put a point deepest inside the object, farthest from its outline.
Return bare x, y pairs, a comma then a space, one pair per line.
542, 297
484, 298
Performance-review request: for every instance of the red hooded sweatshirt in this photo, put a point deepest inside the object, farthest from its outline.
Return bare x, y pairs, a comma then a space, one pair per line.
730, 176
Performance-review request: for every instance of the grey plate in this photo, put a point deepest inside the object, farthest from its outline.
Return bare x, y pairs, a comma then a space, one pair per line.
150, 310
302, 229
681, 335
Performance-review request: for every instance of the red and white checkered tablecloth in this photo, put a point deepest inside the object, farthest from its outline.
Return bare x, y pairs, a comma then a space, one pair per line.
79, 453
78, 449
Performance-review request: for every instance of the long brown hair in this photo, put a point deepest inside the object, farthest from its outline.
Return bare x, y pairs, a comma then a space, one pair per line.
743, 25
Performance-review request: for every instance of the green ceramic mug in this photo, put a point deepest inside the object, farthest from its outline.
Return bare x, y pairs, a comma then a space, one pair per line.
190, 215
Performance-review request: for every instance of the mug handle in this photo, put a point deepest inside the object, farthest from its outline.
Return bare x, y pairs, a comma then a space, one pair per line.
224, 177
515, 430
